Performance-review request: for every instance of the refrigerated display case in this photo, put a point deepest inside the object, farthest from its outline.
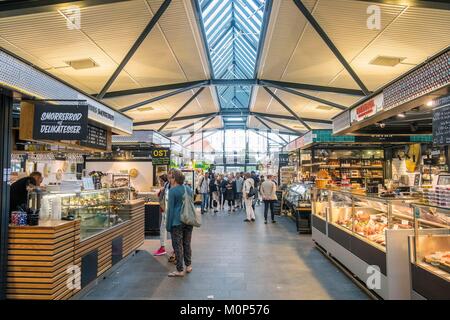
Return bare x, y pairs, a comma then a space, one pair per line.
366, 231
430, 252
297, 200
97, 210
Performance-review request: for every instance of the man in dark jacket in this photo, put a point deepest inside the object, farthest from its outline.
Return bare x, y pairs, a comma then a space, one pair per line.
19, 190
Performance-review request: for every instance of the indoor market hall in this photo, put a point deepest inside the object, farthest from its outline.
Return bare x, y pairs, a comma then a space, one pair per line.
224, 158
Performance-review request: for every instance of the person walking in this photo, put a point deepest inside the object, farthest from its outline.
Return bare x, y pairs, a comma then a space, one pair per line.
223, 191
213, 195
248, 191
255, 178
202, 188
181, 233
229, 193
162, 196
238, 184
269, 196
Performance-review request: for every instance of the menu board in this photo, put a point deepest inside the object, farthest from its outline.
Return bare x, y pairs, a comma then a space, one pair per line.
96, 138
441, 126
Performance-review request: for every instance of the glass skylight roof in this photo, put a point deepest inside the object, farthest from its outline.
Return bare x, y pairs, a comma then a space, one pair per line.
233, 30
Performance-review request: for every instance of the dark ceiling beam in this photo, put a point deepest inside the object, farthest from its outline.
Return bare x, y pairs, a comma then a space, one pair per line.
281, 125
195, 95
266, 137
262, 37
11, 8
159, 98
195, 116
268, 127
312, 87
174, 132
313, 22
283, 117
287, 108
234, 82
309, 97
135, 47
165, 87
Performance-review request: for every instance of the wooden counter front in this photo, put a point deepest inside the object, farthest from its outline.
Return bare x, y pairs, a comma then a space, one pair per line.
40, 257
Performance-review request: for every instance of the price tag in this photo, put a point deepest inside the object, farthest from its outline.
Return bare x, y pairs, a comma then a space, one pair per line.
406, 222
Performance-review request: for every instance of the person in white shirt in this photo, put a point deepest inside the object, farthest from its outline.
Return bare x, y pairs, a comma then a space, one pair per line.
203, 189
268, 192
248, 188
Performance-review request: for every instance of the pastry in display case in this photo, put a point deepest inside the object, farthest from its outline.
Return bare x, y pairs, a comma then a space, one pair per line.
97, 210
430, 252
321, 203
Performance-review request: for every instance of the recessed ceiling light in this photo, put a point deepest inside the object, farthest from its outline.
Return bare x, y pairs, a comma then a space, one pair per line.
386, 61
430, 103
323, 107
298, 126
82, 64
401, 115
145, 109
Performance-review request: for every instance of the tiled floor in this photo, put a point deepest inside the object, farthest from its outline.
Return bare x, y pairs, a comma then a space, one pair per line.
234, 260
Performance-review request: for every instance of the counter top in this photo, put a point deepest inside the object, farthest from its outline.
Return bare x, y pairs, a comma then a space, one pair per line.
372, 195
46, 224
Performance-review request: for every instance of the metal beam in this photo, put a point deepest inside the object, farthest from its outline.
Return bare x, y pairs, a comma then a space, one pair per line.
312, 87
195, 116
330, 44
234, 82
270, 139
182, 108
262, 37
307, 96
283, 117
287, 108
161, 97
135, 47
202, 138
164, 87
282, 125
271, 130
190, 125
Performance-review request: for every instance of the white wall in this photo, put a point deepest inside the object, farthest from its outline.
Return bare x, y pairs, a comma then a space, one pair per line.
143, 182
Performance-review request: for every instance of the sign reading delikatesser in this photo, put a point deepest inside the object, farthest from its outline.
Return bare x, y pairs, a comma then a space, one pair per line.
161, 156
60, 122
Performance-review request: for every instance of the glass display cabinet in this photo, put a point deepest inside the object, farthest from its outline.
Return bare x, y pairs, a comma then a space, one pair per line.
430, 255
299, 194
321, 203
97, 210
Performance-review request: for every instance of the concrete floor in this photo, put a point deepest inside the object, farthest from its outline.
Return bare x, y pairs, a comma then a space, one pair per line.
233, 260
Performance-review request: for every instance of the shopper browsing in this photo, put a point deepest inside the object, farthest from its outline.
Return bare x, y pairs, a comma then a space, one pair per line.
181, 233
268, 192
203, 189
248, 192
238, 184
229, 193
165, 186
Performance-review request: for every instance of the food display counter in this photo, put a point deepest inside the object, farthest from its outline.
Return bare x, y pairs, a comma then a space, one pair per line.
368, 234
297, 200
430, 252
80, 236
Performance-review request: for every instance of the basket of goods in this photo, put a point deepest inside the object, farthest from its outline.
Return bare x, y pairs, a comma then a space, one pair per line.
322, 179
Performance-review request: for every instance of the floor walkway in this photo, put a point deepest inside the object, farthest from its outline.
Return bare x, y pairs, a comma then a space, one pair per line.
234, 260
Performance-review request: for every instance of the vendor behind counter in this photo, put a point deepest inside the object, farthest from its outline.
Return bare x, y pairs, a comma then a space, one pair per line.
19, 190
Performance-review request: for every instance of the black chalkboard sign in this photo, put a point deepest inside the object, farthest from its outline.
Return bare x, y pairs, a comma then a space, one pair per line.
283, 160
96, 138
441, 126
60, 122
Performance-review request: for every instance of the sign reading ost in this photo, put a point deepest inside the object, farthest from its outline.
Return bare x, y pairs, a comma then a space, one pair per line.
60, 122
161, 156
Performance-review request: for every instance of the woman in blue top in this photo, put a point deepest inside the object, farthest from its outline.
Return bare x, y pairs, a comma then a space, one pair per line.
181, 233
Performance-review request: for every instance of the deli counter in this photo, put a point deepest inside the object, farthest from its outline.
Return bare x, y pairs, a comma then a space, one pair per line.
79, 237
370, 235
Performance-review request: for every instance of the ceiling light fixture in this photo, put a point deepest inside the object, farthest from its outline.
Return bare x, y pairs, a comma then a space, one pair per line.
401, 115
430, 103
82, 64
145, 109
386, 61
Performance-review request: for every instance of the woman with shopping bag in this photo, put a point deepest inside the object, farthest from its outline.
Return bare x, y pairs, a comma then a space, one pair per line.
181, 218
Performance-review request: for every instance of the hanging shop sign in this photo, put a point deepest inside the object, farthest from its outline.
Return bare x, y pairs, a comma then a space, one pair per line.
101, 114
367, 109
441, 126
61, 122
283, 160
96, 138
341, 121
161, 156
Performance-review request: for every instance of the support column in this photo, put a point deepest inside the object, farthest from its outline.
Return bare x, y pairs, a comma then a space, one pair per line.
6, 103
